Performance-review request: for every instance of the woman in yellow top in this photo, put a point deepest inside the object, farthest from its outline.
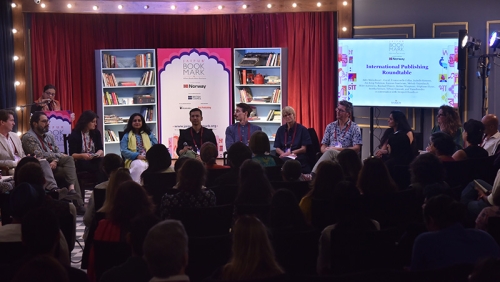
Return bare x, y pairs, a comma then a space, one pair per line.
136, 141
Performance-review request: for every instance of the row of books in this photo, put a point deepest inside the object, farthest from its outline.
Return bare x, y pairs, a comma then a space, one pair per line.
148, 78
144, 60
110, 98
246, 95
108, 79
112, 119
274, 115
147, 113
110, 136
273, 60
141, 61
109, 61
276, 97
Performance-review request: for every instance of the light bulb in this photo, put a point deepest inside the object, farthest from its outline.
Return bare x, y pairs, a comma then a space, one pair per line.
43, 5
220, 7
14, 30
69, 5
146, 7
172, 7
19, 133
18, 108
196, 7
344, 28
244, 6
269, 6
13, 5
15, 58
344, 3
17, 83
318, 4
294, 5
120, 7
95, 7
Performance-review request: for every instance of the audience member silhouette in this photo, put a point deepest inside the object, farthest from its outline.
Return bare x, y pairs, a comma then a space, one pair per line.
350, 163
285, 214
254, 187
374, 178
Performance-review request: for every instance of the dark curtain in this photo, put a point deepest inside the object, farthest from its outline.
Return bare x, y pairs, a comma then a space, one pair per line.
7, 89
63, 51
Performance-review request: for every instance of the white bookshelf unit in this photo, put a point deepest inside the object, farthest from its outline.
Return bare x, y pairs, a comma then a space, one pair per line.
124, 74
272, 65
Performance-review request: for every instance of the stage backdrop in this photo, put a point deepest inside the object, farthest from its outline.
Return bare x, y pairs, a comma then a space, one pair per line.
194, 78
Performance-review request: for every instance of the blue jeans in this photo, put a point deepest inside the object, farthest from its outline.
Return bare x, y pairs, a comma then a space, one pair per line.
469, 198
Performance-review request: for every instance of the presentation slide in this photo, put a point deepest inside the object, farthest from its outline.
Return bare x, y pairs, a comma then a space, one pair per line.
398, 72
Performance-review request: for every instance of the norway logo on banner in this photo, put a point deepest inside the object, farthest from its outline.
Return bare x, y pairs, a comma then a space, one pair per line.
204, 77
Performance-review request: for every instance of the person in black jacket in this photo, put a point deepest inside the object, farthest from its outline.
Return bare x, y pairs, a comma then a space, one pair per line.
191, 139
85, 143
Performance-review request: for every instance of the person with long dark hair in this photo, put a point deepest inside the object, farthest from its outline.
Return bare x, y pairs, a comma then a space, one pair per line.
374, 178
159, 160
442, 146
254, 187
137, 140
393, 143
85, 144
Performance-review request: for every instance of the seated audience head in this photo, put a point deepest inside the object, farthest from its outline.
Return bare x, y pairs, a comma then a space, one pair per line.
237, 154
209, 153
178, 164
137, 124
42, 269
346, 199
255, 188
139, 227
285, 212
374, 178
20, 164
24, 198
443, 211
448, 119
131, 200
87, 121
111, 162
328, 174
426, 169
192, 176
441, 144
473, 132
40, 232
31, 173
252, 255
487, 270
259, 143
158, 158
350, 163
117, 177
490, 122
166, 249
291, 170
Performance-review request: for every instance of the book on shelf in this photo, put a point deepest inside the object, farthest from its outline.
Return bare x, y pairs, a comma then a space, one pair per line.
279, 60
108, 79
261, 99
110, 98
149, 60
276, 97
147, 113
109, 61
143, 98
269, 58
276, 115
246, 95
147, 78
112, 119
127, 83
270, 115
253, 114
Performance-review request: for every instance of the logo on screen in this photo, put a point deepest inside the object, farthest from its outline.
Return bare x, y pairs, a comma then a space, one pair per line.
343, 91
352, 77
351, 59
443, 77
351, 87
194, 97
396, 46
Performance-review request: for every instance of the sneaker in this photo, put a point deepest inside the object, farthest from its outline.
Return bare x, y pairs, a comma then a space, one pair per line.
80, 210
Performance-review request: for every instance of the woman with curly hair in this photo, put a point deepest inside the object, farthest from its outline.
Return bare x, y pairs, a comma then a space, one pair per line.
449, 122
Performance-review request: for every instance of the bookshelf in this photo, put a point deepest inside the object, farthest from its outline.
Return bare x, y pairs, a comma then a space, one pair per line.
125, 84
263, 73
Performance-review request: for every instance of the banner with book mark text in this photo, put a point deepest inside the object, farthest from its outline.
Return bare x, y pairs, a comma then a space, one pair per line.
60, 124
194, 78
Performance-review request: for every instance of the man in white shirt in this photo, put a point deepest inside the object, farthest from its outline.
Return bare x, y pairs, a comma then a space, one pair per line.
491, 135
167, 259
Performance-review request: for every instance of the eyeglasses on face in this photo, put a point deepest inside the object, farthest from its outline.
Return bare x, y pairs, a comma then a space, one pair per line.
50, 93
340, 110
287, 115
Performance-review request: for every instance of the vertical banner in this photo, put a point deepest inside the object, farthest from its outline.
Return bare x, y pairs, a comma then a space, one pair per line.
60, 123
194, 78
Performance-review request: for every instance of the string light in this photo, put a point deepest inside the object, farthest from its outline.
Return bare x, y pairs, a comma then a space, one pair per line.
13, 5
17, 83
172, 7
294, 5
220, 7
196, 7
19, 133
95, 7
344, 28
269, 6
43, 5
120, 7
344, 3
318, 4
14, 30
69, 5
146, 7
16, 58
244, 6
18, 108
